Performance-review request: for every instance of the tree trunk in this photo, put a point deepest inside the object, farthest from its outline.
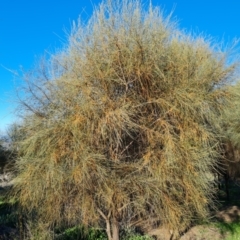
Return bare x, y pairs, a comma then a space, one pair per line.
115, 229
108, 229
112, 229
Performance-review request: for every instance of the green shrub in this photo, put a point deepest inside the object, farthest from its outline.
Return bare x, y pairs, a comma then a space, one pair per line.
78, 233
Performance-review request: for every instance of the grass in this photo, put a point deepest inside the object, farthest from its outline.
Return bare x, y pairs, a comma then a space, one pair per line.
230, 230
98, 234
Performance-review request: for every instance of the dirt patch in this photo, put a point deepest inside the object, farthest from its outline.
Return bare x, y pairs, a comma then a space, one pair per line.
203, 232
161, 233
229, 214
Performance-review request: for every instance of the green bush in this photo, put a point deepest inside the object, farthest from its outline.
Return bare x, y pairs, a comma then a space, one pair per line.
81, 234
78, 233
230, 230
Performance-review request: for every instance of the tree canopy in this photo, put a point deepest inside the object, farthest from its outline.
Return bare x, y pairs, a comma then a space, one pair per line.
120, 127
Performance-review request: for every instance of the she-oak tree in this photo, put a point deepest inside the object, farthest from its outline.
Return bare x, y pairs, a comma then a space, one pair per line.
119, 129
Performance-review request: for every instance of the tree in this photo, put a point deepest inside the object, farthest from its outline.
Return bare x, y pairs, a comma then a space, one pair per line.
230, 119
15, 134
120, 127
4, 154
8, 155
230, 132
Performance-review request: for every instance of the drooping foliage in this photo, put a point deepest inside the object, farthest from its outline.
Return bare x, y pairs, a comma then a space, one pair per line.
230, 131
120, 127
231, 116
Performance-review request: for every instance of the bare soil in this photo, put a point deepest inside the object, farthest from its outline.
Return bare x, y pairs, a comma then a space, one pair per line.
203, 233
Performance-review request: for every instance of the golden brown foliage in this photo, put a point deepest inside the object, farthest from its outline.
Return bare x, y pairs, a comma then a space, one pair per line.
124, 130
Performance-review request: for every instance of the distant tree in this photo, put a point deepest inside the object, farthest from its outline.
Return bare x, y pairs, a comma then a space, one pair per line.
4, 154
15, 134
120, 129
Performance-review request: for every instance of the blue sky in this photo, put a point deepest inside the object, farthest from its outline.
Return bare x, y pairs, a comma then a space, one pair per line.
28, 28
